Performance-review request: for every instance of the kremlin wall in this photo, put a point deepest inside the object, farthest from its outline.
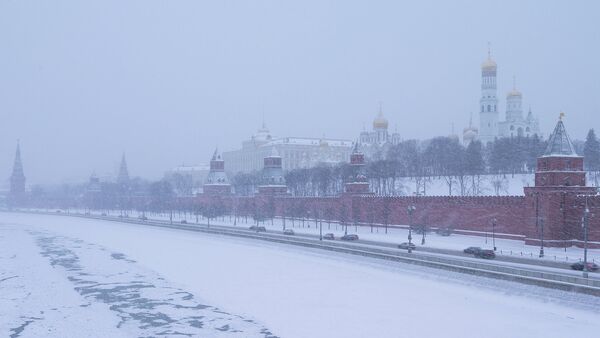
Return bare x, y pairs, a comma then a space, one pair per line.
552, 211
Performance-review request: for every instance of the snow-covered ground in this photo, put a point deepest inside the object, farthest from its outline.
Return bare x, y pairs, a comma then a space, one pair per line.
72, 277
503, 185
505, 247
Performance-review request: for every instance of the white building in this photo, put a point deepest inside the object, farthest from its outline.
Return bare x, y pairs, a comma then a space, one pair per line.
490, 126
296, 152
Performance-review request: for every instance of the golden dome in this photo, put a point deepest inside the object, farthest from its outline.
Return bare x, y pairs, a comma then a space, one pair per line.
489, 64
380, 122
514, 92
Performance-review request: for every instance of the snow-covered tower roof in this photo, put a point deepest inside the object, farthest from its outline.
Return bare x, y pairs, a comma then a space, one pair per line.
559, 143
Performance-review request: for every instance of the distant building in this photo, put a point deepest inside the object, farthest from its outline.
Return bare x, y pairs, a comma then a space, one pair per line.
490, 126
379, 139
296, 152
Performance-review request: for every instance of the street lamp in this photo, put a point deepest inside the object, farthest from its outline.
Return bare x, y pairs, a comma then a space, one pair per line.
411, 209
586, 215
424, 228
540, 222
542, 238
494, 233
321, 230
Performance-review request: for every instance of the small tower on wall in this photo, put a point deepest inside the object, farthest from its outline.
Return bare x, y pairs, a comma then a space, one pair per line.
556, 197
216, 182
357, 182
17, 179
273, 180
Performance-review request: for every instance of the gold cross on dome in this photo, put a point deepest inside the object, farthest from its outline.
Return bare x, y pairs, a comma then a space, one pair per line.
562, 114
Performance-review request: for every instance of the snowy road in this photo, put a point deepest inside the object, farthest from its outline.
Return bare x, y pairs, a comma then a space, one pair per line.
70, 277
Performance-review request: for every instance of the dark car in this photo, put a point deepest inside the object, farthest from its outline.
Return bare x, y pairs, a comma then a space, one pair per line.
183, 221
472, 250
103, 214
257, 228
444, 232
349, 237
288, 232
407, 245
487, 254
143, 218
329, 236
579, 266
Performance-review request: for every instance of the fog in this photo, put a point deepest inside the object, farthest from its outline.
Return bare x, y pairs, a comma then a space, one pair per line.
81, 82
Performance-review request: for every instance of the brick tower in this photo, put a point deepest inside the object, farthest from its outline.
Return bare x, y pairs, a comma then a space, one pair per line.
555, 200
217, 182
357, 182
273, 181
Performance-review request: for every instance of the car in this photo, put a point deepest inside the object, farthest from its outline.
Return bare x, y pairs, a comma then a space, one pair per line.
183, 221
472, 250
407, 246
444, 231
257, 228
143, 218
288, 232
329, 236
579, 266
87, 213
58, 211
103, 214
349, 237
487, 254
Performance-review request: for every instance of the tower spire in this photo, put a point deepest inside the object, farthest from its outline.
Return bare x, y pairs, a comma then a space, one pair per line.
123, 177
17, 178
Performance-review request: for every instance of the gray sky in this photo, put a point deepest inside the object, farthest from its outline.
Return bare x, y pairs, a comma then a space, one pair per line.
167, 81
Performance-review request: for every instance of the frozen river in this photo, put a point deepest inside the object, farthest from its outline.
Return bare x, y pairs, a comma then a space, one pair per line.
72, 277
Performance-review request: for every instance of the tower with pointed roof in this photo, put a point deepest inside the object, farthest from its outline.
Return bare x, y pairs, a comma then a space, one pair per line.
559, 184
560, 165
123, 177
216, 182
17, 178
357, 182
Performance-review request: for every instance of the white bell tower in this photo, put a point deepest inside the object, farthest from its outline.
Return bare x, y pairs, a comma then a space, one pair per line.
488, 104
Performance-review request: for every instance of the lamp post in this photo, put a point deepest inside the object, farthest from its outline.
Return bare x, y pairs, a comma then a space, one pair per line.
542, 238
586, 215
321, 230
411, 209
424, 230
540, 222
494, 233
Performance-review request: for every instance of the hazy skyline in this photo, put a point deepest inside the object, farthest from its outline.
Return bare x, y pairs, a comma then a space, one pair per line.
167, 82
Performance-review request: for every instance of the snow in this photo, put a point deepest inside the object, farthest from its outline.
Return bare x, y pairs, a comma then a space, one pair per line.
396, 235
294, 292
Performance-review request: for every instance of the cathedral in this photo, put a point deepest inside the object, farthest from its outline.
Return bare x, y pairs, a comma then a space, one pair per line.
376, 142
490, 126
